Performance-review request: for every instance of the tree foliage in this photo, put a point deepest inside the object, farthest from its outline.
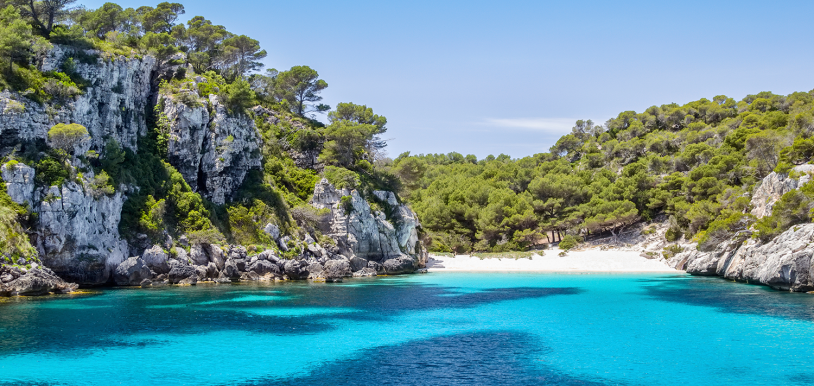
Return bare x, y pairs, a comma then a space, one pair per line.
695, 163
66, 137
299, 87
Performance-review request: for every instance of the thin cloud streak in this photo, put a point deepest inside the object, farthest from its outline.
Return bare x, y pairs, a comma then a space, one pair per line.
545, 125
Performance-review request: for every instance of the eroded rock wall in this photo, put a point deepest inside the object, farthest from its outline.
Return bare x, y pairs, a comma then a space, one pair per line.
211, 148
77, 232
114, 105
370, 238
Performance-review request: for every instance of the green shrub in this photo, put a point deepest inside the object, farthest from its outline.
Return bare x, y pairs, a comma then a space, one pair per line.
672, 234
206, 236
342, 178
213, 84
101, 185
239, 96
51, 172
569, 242
671, 250
66, 137
346, 203
14, 242
723, 229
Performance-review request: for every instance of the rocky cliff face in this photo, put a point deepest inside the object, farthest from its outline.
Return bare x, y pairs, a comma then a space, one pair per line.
212, 149
775, 185
388, 245
365, 243
77, 233
783, 263
115, 105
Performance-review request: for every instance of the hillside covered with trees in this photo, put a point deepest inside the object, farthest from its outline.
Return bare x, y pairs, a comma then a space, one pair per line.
697, 163
195, 60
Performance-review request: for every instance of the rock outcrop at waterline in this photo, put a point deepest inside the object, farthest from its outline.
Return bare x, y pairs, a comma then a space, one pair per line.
384, 241
35, 281
77, 233
784, 263
363, 242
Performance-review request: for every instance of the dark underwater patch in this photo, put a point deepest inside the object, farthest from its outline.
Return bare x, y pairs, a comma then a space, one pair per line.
736, 298
495, 358
101, 321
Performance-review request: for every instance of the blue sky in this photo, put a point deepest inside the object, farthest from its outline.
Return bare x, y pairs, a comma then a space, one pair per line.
488, 77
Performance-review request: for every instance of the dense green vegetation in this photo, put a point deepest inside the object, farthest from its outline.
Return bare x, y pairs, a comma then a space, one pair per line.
696, 163
160, 202
14, 242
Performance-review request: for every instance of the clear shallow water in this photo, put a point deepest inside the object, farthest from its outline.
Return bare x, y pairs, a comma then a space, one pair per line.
436, 329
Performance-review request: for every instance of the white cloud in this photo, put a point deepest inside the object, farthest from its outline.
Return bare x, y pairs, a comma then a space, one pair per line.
546, 125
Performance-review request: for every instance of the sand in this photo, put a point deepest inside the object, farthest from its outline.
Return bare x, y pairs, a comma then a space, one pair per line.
591, 260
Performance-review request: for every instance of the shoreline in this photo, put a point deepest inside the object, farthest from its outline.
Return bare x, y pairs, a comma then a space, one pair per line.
583, 261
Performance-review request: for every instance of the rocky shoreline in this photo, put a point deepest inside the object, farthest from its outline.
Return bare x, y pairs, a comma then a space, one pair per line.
362, 243
784, 263
76, 231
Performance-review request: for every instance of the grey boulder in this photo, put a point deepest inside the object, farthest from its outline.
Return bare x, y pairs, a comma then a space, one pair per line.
156, 259
183, 275
131, 272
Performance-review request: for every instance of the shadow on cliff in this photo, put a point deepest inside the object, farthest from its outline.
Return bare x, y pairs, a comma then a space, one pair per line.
107, 320
498, 358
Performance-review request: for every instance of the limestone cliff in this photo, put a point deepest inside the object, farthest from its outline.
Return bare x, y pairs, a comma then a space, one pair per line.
76, 231
211, 148
114, 105
783, 263
370, 238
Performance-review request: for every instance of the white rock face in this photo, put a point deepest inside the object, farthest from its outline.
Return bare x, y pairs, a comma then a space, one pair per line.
77, 235
213, 152
783, 263
113, 106
19, 180
365, 234
774, 186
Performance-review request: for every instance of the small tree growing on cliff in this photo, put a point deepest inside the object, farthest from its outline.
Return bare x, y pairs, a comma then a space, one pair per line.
299, 86
65, 138
44, 14
16, 39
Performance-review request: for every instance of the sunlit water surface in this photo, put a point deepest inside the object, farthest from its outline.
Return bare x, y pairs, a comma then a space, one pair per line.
436, 329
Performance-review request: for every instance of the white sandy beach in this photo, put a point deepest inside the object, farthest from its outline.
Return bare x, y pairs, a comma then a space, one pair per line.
592, 260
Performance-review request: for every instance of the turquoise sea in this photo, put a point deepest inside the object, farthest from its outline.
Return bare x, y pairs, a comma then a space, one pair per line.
435, 329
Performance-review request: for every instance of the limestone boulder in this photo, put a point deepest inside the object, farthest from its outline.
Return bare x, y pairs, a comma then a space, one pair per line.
156, 259
183, 275
132, 272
